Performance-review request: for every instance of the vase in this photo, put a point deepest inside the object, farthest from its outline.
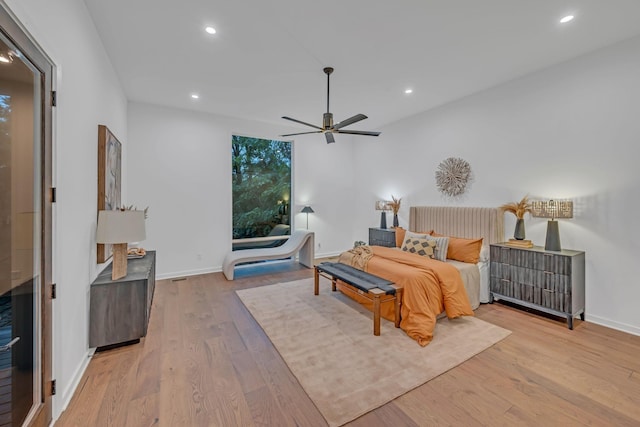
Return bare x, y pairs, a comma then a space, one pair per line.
518, 234
395, 220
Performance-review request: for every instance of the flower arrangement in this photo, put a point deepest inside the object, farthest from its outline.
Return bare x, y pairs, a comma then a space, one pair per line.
518, 209
395, 204
134, 208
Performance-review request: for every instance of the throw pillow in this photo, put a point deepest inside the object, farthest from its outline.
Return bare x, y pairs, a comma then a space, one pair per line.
400, 236
424, 247
442, 245
465, 250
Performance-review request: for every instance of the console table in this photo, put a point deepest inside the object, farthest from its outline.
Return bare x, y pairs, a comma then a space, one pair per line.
120, 309
548, 281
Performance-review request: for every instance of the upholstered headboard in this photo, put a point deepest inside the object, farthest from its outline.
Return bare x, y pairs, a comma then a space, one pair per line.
465, 222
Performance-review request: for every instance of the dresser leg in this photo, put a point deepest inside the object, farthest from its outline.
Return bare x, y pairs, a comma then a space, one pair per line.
570, 322
582, 316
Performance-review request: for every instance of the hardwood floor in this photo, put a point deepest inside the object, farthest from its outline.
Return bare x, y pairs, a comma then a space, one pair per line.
206, 362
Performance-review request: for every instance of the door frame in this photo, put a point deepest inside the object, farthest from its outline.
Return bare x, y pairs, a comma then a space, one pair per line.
11, 29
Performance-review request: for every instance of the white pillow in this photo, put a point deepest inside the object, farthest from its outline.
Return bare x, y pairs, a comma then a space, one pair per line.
484, 253
412, 235
442, 245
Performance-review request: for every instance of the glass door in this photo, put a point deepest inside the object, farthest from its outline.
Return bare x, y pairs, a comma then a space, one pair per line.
24, 236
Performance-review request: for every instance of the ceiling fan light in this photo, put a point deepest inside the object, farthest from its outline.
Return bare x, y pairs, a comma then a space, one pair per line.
328, 128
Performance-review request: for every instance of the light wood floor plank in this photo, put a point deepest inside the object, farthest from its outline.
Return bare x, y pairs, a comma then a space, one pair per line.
206, 362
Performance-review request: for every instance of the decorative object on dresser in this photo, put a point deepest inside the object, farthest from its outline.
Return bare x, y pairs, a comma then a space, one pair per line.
519, 209
307, 210
551, 282
383, 205
452, 176
552, 209
120, 227
382, 237
119, 309
394, 204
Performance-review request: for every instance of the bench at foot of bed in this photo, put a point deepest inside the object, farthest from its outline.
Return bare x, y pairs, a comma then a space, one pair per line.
374, 288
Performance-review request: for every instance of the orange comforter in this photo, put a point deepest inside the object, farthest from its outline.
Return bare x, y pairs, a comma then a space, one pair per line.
430, 287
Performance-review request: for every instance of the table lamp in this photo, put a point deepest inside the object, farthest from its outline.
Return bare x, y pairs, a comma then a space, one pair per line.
383, 205
120, 227
307, 210
552, 209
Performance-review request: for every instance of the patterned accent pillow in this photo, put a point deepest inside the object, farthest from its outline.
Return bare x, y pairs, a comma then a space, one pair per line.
424, 247
442, 246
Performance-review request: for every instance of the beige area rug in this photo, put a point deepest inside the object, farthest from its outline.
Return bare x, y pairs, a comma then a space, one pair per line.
345, 369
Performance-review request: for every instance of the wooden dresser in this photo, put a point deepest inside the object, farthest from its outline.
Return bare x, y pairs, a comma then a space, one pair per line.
120, 309
548, 281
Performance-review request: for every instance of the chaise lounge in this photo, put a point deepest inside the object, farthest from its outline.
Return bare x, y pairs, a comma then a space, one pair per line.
301, 242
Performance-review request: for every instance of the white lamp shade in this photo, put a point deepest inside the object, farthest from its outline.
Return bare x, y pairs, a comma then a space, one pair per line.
120, 226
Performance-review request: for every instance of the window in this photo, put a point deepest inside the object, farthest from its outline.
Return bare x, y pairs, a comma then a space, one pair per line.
261, 187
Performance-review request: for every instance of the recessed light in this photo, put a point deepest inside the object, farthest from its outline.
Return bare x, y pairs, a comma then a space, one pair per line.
567, 19
408, 91
210, 30
195, 96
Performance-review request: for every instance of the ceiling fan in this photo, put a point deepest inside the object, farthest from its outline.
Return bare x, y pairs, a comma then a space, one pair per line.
328, 128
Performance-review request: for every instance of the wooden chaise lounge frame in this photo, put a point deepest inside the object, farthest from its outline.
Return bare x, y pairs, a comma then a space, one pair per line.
301, 242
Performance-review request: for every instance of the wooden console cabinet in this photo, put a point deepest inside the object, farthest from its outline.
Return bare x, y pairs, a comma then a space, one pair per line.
120, 309
548, 281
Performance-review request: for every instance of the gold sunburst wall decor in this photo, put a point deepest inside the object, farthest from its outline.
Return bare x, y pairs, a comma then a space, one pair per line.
452, 176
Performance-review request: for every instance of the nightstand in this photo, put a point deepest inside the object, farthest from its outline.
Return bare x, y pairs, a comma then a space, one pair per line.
548, 281
382, 237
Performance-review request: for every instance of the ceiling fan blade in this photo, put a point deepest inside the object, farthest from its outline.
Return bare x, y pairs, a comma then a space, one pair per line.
329, 137
350, 120
302, 133
358, 132
301, 122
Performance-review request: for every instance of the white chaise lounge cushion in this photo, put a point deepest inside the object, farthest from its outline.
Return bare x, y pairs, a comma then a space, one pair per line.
301, 241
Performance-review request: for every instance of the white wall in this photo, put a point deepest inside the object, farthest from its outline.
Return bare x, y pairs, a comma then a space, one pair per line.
180, 166
568, 131
89, 94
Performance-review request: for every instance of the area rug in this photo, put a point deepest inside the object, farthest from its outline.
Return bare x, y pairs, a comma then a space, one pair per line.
346, 370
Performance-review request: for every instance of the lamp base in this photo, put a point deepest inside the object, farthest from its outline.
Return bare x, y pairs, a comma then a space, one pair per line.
553, 236
119, 265
383, 219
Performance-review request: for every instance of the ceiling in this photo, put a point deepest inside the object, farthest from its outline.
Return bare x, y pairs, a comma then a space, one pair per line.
266, 59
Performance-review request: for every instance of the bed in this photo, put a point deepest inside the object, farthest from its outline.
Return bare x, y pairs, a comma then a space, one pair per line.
432, 287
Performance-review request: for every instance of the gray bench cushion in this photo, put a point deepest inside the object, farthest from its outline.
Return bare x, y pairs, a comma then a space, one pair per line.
356, 278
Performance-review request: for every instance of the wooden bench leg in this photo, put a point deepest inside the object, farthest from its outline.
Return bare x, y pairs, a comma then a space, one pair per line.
333, 284
316, 283
397, 307
376, 315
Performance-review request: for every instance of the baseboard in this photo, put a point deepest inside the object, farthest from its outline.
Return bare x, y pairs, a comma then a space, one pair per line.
60, 405
327, 254
186, 273
218, 269
630, 329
